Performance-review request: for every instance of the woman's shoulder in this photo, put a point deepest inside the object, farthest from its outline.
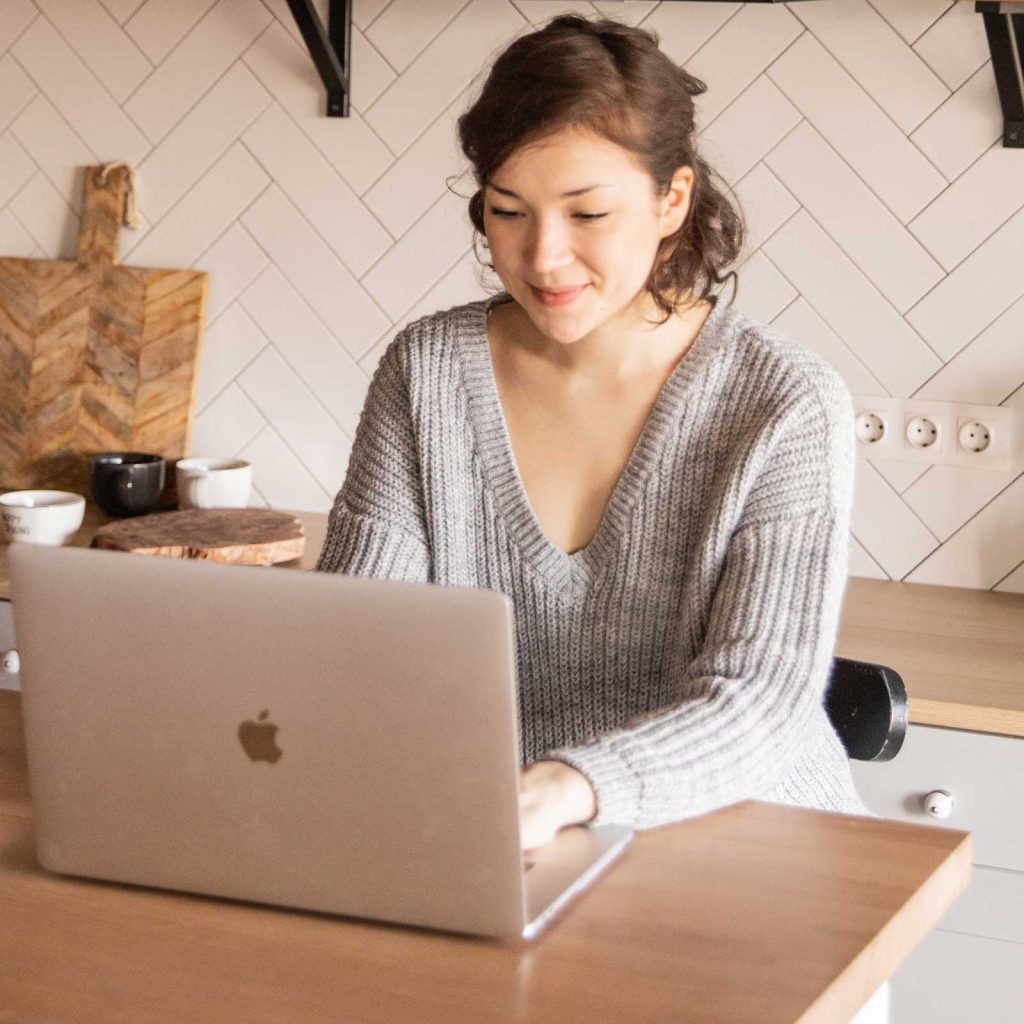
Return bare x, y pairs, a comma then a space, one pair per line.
784, 362
424, 345
444, 327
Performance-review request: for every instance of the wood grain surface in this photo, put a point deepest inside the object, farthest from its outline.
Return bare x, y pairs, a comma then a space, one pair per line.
94, 356
241, 536
959, 651
755, 914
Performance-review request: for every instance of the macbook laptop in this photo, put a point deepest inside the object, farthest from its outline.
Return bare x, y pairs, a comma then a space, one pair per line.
317, 741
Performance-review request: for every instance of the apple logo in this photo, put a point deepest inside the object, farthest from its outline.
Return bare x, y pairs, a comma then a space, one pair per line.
257, 739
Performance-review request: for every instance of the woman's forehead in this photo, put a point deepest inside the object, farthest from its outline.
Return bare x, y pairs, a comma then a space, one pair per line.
566, 166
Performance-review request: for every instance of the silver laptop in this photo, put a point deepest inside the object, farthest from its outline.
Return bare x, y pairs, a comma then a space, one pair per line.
324, 742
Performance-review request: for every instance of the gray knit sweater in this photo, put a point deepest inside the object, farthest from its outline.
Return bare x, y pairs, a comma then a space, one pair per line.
679, 660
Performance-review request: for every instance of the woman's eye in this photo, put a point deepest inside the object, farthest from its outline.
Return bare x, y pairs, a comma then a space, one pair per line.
498, 212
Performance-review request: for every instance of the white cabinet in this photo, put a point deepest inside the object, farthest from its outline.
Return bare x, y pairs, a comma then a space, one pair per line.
960, 979
992, 906
971, 968
984, 774
7, 681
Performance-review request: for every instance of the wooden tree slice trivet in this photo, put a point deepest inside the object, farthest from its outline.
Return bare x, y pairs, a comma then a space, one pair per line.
242, 536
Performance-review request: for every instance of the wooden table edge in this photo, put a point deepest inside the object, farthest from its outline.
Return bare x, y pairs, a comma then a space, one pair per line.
891, 946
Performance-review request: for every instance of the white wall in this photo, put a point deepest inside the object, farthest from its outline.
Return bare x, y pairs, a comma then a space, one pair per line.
862, 138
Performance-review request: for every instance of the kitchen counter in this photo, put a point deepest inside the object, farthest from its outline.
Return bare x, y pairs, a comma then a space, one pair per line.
959, 651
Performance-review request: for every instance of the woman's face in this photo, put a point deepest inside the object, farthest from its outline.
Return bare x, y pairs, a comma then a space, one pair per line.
576, 214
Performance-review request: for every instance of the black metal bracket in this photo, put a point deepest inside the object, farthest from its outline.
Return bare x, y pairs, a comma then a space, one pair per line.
330, 48
1004, 26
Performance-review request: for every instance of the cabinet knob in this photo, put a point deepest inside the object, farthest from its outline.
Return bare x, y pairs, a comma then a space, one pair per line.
939, 804
10, 662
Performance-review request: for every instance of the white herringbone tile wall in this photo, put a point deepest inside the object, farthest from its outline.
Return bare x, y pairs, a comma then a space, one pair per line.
861, 138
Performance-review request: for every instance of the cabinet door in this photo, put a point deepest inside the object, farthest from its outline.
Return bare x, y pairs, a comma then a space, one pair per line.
7, 681
984, 773
959, 979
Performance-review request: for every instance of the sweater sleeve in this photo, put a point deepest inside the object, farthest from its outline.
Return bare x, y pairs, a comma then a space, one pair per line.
377, 525
751, 694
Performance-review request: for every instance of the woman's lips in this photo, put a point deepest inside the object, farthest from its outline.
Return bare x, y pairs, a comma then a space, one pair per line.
559, 298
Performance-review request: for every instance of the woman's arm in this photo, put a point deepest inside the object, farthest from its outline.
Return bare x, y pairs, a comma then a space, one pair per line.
759, 677
377, 526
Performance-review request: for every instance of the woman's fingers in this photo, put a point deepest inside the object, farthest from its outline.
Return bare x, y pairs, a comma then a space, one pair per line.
534, 836
537, 826
547, 802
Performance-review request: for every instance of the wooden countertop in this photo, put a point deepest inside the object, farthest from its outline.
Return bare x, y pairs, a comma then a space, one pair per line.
757, 913
960, 652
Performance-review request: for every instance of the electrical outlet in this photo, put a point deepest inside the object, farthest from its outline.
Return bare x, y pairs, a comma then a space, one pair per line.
937, 433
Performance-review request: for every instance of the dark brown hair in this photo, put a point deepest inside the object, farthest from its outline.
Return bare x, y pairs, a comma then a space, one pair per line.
613, 80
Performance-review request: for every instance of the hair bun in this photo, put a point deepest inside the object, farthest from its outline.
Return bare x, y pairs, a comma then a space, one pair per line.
691, 83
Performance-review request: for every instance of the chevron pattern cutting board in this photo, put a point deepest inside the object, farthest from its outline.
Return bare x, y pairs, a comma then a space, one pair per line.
94, 356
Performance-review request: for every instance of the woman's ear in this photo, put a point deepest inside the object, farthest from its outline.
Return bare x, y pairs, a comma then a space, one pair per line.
676, 204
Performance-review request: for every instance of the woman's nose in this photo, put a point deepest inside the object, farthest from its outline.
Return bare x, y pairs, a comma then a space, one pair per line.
549, 247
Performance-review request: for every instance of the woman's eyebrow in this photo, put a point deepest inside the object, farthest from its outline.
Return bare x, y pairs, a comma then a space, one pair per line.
565, 195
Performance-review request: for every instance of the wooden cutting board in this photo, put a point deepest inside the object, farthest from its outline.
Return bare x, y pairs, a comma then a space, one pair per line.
94, 356
243, 536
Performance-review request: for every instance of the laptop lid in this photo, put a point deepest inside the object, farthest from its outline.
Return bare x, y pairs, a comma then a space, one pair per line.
273, 736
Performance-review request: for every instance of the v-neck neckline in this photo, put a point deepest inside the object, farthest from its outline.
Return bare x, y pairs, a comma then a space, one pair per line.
565, 570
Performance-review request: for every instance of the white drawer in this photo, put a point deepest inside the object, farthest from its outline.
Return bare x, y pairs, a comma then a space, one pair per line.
7, 681
984, 773
959, 979
992, 907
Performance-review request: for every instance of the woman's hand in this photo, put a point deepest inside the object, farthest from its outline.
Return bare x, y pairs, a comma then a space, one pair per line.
552, 795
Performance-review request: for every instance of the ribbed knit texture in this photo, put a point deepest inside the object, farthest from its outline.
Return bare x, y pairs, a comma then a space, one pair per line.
679, 660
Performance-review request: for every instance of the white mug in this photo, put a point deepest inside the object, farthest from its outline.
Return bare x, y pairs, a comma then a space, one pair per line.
42, 517
213, 483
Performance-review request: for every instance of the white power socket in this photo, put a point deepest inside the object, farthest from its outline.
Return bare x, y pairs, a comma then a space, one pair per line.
939, 433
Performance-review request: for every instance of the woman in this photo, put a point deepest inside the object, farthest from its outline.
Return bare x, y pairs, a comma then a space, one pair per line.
660, 484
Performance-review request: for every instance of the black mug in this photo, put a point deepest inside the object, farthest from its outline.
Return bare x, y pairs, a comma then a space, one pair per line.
127, 483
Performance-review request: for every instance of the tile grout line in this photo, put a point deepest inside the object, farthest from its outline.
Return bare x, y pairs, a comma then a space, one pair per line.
298, 292
814, 309
281, 437
221, 390
110, 96
871, 101
903, 226
273, 183
399, 74
911, 42
155, 143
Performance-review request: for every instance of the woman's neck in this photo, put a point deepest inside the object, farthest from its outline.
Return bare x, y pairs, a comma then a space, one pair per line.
623, 348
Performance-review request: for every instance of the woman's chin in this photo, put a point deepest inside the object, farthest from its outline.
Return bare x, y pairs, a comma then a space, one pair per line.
561, 332
560, 324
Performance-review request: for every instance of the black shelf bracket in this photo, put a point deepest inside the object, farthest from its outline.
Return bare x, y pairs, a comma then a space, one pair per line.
1004, 26
330, 48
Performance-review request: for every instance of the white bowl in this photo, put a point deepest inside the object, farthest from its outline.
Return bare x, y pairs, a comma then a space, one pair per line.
42, 517
213, 483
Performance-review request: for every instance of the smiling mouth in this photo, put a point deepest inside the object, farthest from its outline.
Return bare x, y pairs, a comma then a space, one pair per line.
562, 297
